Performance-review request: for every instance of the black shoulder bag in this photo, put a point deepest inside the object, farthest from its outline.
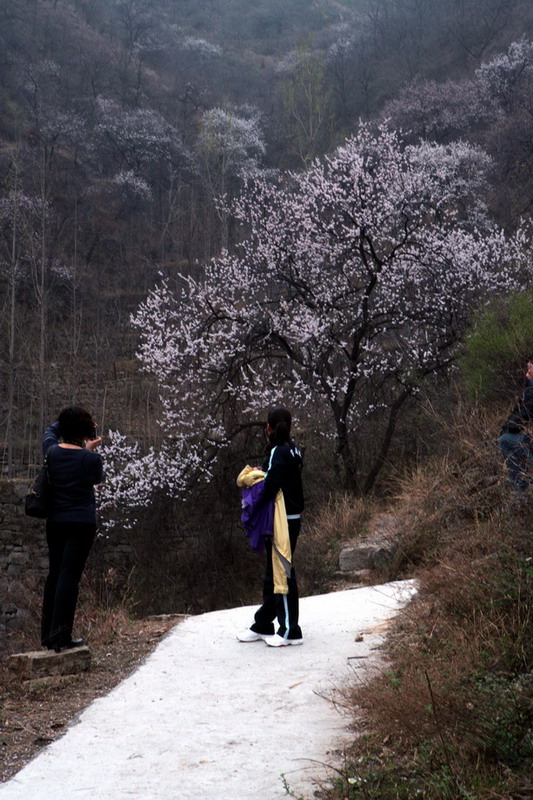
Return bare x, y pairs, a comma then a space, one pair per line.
37, 502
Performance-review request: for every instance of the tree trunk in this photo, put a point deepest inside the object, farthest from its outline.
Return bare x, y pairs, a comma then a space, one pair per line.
386, 441
43, 310
345, 459
11, 339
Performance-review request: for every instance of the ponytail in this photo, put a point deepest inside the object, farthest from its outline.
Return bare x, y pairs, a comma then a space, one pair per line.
279, 420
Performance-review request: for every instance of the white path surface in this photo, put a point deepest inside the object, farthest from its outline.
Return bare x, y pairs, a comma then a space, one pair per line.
209, 718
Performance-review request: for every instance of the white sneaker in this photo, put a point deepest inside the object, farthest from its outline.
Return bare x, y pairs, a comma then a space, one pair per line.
279, 641
251, 636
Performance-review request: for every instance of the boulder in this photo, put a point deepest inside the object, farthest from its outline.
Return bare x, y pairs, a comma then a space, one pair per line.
364, 554
372, 552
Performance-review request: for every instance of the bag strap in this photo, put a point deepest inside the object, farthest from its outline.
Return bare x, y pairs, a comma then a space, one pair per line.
45, 465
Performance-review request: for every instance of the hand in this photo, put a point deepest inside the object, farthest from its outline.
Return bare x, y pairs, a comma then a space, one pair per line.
92, 444
529, 372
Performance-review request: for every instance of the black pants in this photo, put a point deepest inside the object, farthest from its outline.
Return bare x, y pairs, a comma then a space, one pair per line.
69, 544
284, 607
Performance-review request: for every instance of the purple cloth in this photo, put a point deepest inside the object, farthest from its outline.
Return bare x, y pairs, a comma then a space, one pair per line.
257, 516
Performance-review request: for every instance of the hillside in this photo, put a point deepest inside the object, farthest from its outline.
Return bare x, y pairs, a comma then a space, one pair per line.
121, 123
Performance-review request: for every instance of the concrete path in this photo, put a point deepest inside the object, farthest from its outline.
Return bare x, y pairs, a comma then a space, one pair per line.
209, 718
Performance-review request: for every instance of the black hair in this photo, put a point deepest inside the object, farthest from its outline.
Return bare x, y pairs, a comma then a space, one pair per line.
280, 421
75, 425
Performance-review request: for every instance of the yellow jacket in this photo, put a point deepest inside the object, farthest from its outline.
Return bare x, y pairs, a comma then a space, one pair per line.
281, 544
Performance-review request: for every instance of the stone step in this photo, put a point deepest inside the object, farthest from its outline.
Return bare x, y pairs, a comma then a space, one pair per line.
43, 663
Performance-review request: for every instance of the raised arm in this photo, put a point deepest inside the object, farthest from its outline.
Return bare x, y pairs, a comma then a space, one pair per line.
50, 437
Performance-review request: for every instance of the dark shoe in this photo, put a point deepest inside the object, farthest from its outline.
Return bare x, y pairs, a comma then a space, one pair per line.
52, 643
69, 644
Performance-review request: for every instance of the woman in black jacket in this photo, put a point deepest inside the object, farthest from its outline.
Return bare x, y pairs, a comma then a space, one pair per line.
73, 470
283, 472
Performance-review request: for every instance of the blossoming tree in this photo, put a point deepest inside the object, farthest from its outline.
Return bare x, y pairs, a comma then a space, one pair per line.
353, 283
499, 94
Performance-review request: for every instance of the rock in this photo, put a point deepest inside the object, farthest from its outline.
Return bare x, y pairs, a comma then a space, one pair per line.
358, 577
376, 550
365, 554
13, 618
41, 663
373, 552
18, 557
13, 491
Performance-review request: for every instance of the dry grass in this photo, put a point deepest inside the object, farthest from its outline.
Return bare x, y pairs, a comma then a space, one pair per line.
340, 519
461, 489
343, 517
95, 620
451, 715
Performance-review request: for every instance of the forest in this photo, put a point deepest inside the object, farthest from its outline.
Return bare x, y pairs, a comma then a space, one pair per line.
129, 132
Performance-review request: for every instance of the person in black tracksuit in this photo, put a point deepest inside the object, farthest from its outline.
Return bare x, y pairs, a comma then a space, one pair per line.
283, 472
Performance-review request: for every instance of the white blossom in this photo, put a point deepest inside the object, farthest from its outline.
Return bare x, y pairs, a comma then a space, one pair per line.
201, 47
355, 281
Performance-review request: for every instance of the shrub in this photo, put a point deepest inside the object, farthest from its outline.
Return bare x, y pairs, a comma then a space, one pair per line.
501, 338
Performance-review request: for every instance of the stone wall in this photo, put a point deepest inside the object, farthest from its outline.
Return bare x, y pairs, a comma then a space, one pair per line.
24, 555
22, 541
